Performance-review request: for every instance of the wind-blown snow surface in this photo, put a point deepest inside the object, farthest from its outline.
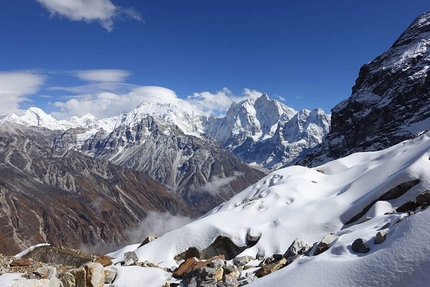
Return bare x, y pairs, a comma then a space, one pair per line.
298, 202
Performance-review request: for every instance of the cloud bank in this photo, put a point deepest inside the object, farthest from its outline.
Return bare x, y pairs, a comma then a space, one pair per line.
15, 87
107, 102
102, 11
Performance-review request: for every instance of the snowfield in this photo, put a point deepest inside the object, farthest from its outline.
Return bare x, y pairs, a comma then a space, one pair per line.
298, 202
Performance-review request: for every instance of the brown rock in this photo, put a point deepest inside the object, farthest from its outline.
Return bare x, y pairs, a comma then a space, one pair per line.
68, 280
193, 264
325, 243
270, 268
95, 274
20, 262
104, 260
80, 277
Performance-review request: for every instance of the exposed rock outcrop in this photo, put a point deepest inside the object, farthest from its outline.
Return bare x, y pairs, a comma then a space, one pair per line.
389, 101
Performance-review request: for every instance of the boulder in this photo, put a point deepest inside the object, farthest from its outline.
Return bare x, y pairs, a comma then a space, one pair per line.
380, 236
193, 264
251, 240
270, 268
242, 260
222, 246
110, 275
203, 276
325, 243
130, 258
297, 248
95, 275
358, 246
80, 277
104, 260
20, 262
232, 271
46, 272
229, 281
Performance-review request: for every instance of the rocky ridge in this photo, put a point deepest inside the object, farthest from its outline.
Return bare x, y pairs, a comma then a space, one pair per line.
65, 198
389, 101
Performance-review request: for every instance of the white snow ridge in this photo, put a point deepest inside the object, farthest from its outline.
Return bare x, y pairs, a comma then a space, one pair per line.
350, 198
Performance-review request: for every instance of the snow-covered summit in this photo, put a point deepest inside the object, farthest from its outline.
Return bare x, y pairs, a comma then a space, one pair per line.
268, 133
35, 117
189, 123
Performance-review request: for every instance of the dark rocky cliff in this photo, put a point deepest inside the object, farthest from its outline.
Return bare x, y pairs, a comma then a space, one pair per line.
390, 100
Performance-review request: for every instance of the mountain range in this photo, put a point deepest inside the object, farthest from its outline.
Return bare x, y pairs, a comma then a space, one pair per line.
353, 213
194, 163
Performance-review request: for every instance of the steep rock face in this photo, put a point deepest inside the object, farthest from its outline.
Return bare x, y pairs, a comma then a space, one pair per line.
69, 199
197, 170
389, 102
267, 133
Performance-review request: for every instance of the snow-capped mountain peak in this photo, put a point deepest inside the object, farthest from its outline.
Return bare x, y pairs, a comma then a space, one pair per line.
35, 117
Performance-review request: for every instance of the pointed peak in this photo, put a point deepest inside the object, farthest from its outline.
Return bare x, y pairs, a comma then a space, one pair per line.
264, 96
35, 110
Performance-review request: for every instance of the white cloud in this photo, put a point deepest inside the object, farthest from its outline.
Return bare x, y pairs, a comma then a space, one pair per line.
103, 11
107, 104
219, 102
103, 76
216, 184
15, 87
156, 224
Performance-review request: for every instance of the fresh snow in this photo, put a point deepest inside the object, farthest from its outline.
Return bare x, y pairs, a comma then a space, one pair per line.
298, 202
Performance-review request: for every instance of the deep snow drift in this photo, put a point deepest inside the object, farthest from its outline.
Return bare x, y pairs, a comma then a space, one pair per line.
298, 202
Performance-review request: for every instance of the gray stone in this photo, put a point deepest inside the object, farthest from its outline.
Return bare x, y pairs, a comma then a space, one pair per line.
325, 243
46, 272
217, 264
232, 271
298, 247
110, 275
380, 236
205, 276
130, 258
242, 260
359, 246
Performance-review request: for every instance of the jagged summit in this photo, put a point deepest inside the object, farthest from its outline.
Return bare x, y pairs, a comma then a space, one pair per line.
389, 101
268, 133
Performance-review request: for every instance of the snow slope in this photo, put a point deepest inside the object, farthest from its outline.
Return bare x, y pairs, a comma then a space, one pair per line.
298, 202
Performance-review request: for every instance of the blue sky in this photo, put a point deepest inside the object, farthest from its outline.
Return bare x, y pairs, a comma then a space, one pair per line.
70, 57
